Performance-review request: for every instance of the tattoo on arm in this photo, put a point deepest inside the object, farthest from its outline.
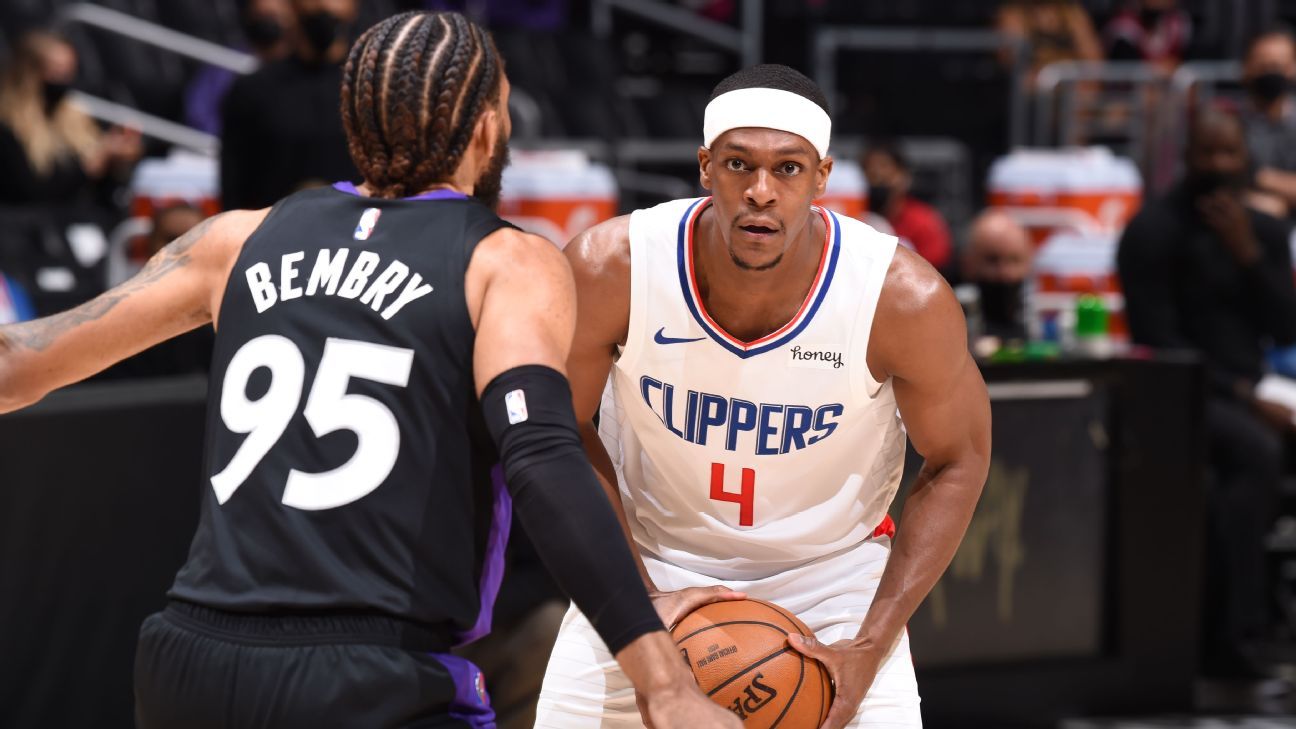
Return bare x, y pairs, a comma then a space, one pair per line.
41, 333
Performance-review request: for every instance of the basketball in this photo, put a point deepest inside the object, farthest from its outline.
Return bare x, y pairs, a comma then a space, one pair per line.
739, 653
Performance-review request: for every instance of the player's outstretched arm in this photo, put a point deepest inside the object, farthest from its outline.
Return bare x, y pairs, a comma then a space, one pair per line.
522, 302
179, 290
919, 339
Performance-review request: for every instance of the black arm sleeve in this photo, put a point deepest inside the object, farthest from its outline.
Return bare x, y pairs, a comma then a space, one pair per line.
561, 504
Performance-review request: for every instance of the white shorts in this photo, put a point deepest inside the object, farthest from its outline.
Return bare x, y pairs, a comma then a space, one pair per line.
585, 689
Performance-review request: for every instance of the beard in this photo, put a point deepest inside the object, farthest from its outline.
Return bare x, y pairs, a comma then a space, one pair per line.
489, 185
747, 266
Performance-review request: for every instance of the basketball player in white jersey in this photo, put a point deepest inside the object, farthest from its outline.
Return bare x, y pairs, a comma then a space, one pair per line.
767, 358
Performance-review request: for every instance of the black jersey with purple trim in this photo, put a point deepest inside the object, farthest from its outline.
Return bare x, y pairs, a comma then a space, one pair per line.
348, 465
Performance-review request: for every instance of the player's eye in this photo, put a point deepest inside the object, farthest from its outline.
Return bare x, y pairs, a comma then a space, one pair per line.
735, 165
790, 168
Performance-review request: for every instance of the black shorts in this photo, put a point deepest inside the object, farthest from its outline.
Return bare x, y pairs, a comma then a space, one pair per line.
196, 668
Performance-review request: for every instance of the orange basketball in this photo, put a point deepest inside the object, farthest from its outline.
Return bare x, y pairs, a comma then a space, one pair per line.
739, 653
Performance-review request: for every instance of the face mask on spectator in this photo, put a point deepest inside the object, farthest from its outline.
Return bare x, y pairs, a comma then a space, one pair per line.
1268, 87
879, 197
1149, 17
54, 93
1204, 183
1000, 300
321, 29
263, 32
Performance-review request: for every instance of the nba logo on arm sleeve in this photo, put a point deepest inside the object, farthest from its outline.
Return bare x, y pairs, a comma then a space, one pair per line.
515, 404
368, 219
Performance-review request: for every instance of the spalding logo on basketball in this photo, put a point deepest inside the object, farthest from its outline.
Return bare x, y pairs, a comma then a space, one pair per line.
739, 653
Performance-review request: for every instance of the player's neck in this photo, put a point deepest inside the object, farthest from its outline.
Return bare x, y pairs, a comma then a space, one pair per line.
466, 191
751, 303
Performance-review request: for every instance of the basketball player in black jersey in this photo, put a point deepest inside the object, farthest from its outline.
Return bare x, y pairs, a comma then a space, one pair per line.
380, 349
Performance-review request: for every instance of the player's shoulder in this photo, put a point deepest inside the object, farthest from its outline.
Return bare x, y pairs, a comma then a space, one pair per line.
913, 289
509, 246
601, 252
509, 259
238, 223
919, 325
608, 243
221, 237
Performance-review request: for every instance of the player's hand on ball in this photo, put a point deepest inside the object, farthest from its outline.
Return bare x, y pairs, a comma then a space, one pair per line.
851, 664
673, 606
685, 709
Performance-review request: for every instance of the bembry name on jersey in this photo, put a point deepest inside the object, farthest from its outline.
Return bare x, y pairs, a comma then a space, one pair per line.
387, 293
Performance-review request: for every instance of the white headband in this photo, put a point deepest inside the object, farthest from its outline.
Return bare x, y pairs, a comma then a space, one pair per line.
769, 109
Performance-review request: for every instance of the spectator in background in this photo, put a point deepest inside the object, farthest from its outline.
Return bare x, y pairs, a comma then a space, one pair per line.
1154, 31
268, 26
997, 261
189, 353
1267, 72
917, 224
282, 130
1201, 272
1056, 30
50, 151
169, 222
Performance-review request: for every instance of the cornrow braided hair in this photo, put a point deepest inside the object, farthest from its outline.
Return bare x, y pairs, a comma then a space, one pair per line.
413, 88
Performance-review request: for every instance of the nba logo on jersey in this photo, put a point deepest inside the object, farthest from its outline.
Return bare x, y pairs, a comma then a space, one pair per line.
367, 222
515, 404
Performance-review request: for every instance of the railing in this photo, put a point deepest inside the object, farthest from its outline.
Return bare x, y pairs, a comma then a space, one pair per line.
744, 41
1159, 107
158, 36
831, 41
147, 124
1140, 118
1064, 76
1188, 80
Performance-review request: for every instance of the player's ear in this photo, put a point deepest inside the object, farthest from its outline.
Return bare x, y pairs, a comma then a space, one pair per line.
704, 167
486, 132
821, 176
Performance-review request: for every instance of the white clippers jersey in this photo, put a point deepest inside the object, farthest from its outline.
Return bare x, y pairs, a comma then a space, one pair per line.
741, 460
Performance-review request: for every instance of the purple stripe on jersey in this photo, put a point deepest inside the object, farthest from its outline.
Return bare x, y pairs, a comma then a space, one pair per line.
493, 570
471, 703
350, 189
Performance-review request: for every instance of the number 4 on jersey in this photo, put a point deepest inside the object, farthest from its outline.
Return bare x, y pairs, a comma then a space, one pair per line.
745, 498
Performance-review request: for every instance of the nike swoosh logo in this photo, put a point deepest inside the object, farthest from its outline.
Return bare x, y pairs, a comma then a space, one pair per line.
661, 338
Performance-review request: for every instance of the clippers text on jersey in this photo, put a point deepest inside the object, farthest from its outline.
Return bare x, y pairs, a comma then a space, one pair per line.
768, 429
